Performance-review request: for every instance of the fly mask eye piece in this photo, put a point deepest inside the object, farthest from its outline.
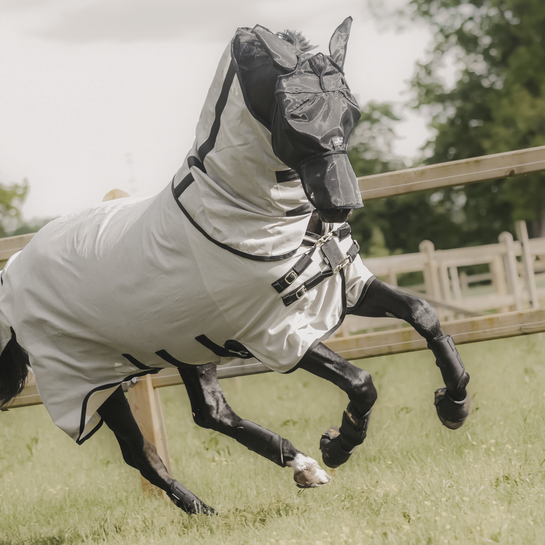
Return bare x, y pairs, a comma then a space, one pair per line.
314, 116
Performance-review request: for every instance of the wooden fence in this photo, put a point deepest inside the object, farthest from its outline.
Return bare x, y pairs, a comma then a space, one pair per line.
144, 395
515, 279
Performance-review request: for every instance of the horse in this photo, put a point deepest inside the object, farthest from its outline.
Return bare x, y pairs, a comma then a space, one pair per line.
247, 253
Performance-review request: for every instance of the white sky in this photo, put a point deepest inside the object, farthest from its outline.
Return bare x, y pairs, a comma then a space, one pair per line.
98, 94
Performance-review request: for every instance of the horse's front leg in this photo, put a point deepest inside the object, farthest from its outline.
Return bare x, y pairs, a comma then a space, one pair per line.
338, 444
452, 402
139, 453
211, 410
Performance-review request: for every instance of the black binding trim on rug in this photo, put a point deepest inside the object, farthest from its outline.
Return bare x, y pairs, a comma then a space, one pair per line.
370, 280
183, 185
220, 244
208, 146
81, 440
192, 161
332, 330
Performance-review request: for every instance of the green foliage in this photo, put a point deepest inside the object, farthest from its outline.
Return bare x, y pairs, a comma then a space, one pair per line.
371, 143
11, 199
30, 227
399, 224
497, 103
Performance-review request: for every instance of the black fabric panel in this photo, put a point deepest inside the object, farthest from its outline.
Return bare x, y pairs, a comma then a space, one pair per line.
194, 162
286, 175
333, 254
208, 146
302, 210
183, 185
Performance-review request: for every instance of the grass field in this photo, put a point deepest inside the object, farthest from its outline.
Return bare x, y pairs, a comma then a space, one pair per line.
413, 481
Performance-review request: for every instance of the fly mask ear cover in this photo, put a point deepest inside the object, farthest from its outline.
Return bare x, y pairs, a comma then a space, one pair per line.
313, 118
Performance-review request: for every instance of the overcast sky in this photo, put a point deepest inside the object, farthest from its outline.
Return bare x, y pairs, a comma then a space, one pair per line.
98, 94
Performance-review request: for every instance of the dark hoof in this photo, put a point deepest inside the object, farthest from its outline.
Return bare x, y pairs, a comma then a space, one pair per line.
452, 413
333, 454
187, 501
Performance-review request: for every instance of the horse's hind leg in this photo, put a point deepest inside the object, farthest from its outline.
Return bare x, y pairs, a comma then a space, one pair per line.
452, 402
211, 410
338, 444
142, 455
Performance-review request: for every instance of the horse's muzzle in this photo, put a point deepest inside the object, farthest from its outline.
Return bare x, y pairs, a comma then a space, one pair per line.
335, 215
331, 185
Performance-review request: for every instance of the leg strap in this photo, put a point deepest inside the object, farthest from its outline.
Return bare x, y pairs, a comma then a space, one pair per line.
353, 430
265, 442
181, 497
450, 364
338, 444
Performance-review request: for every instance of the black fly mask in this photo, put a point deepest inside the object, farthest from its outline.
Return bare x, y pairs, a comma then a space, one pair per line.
304, 101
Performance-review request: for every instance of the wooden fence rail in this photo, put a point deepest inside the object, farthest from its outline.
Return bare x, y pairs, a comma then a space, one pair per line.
144, 396
466, 171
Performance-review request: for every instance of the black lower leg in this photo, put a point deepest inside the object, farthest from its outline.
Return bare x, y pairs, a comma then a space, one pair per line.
142, 455
338, 444
450, 364
211, 410
265, 442
452, 402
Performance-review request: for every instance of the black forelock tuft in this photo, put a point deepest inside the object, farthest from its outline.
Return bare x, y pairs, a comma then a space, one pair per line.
297, 39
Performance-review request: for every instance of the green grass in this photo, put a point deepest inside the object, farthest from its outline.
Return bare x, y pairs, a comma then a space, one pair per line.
413, 481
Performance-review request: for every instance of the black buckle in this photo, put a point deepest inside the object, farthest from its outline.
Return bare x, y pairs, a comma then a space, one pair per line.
291, 277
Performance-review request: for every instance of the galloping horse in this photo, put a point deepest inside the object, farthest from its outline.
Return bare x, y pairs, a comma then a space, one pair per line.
246, 253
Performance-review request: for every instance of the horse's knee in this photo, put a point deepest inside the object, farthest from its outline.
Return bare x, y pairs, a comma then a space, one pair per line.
424, 318
219, 417
364, 394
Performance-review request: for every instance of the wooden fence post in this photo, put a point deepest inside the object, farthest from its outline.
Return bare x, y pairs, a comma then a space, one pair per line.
511, 271
527, 263
498, 278
146, 407
455, 279
431, 276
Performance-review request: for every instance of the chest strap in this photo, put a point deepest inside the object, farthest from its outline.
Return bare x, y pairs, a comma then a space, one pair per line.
335, 260
328, 246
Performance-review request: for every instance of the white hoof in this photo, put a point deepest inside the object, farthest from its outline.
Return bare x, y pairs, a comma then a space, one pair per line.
307, 472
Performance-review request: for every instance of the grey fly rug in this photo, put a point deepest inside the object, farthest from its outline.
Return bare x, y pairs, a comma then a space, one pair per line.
202, 272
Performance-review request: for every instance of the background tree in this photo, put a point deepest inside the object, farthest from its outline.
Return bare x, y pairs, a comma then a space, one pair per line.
398, 224
11, 199
496, 104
